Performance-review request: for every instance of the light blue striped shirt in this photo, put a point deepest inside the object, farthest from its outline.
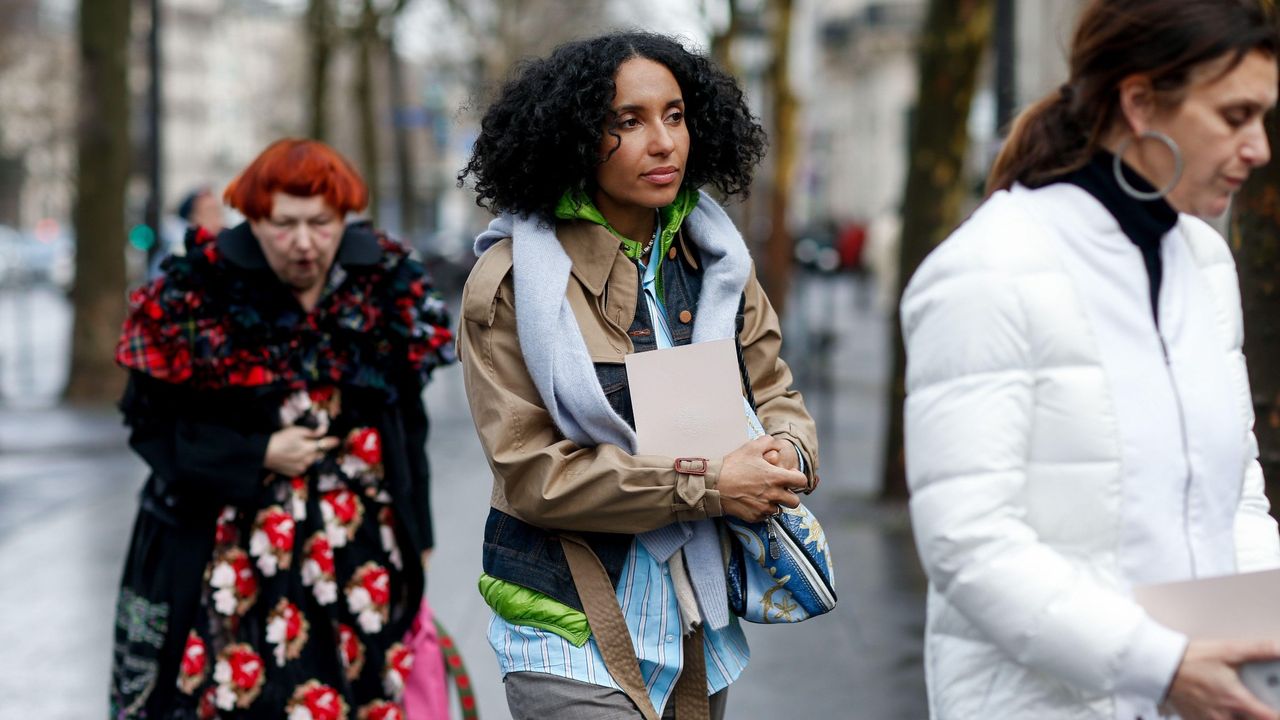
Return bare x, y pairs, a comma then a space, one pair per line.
649, 607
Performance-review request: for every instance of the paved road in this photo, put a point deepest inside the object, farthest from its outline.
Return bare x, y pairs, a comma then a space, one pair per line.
67, 499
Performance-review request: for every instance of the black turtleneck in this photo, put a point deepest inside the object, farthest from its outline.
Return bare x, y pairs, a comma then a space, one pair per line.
1144, 222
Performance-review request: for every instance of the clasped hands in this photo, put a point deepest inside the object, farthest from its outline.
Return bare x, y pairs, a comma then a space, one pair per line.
760, 478
292, 450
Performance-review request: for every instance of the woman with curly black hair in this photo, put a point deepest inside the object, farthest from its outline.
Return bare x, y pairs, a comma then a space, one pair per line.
604, 568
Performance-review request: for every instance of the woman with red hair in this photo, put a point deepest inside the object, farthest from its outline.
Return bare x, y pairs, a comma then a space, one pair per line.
276, 377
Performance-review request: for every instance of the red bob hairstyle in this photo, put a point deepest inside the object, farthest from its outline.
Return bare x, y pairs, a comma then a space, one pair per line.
298, 167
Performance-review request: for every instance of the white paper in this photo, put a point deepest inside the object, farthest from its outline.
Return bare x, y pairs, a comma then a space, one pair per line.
1231, 607
687, 400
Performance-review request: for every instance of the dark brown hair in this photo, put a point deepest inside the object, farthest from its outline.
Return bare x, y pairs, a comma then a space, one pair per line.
1163, 39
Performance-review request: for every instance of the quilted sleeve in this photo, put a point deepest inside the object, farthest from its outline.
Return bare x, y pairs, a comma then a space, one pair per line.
969, 408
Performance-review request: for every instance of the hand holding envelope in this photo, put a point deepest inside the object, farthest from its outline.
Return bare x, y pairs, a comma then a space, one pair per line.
687, 403
1233, 622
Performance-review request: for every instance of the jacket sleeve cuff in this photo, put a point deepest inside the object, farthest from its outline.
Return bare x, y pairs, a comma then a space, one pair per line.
806, 466
1148, 668
696, 497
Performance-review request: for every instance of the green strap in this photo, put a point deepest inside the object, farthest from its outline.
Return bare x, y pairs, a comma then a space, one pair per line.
458, 673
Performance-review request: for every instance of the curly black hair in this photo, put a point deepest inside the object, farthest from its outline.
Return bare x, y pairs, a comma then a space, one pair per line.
542, 135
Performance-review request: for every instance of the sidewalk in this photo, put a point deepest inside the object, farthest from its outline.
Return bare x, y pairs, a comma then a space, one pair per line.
67, 500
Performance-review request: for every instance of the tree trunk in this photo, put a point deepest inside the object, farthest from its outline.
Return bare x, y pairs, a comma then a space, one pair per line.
780, 247
1256, 243
320, 33
402, 134
722, 43
98, 298
366, 107
955, 35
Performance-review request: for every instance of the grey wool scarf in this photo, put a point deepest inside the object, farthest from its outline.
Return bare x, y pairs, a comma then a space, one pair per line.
557, 359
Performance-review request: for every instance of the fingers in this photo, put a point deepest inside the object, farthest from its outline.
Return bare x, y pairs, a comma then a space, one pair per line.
1238, 653
1252, 708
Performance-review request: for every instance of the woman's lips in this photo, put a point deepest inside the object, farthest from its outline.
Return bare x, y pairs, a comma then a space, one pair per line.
662, 175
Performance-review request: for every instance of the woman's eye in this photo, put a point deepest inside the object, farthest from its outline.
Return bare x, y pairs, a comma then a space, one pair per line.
675, 118
628, 123
1236, 118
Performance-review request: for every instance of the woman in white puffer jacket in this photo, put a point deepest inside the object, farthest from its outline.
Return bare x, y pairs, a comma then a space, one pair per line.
1078, 415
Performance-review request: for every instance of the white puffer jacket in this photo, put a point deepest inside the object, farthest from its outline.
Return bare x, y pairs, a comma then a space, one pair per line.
1056, 459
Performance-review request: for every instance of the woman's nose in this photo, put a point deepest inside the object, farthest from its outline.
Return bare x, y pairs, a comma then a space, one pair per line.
661, 142
1257, 149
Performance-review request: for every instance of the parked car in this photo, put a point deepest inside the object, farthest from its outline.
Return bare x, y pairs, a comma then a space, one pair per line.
28, 260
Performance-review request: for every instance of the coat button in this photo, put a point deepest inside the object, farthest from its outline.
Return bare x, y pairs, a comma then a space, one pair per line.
671, 254
686, 317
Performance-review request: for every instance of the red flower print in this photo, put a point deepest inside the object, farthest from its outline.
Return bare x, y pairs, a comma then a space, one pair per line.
239, 675
362, 457
235, 586
342, 512
318, 569
381, 710
351, 650
225, 532
272, 539
378, 582
195, 660
395, 671
246, 583
314, 700
368, 595
287, 631
366, 444
343, 503
321, 395
207, 709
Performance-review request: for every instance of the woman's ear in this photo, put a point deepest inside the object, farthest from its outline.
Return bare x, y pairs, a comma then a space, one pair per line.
1137, 103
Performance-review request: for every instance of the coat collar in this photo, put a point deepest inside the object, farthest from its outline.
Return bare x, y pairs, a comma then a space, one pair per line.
358, 246
593, 250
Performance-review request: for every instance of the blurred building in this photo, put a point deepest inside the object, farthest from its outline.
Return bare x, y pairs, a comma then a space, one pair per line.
234, 79
37, 111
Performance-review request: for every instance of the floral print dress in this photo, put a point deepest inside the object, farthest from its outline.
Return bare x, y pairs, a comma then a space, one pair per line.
311, 576
249, 594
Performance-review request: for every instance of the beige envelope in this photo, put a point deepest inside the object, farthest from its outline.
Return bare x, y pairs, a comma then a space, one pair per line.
688, 400
1230, 607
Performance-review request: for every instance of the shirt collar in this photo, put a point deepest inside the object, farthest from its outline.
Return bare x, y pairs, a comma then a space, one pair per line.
358, 246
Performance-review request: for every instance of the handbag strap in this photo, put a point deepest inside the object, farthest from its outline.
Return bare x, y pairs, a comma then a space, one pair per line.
600, 603
742, 361
457, 672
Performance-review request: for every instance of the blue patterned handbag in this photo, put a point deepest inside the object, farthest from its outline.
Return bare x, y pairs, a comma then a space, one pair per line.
780, 569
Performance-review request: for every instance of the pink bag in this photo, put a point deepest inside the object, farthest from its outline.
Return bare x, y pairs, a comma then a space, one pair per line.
426, 696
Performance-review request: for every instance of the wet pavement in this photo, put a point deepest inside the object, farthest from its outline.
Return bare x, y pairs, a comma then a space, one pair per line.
68, 496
